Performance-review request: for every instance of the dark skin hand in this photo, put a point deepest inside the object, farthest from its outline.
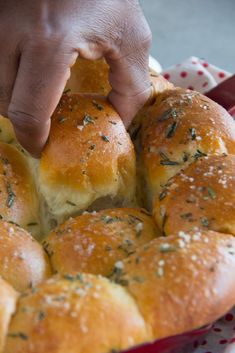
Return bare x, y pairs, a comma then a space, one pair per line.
41, 39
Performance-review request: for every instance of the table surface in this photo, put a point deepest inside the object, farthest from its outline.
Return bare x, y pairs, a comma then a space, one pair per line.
182, 28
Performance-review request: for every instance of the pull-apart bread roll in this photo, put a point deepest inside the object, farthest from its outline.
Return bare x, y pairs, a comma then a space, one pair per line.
8, 299
182, 282
179, 128
89, 76
89, 159
19, 203
23, 262
82, 314
94, 242
202, 196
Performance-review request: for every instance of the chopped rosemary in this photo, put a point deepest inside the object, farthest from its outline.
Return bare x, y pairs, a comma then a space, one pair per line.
11, 196
171, 130
211, 193
166, 161
32, 224
105, 138
61, 119
20, 335
88, 120
170, 113
70, 203
70, 278
92, 147
162, 195
205, 222
138, 279
108, 219
193, 133
41, 315
186, 215
186, 157
199, 154
112, 122
12, 222
98, 106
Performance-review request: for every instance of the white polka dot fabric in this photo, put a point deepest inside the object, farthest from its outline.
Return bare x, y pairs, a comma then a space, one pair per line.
221, 339
196, 74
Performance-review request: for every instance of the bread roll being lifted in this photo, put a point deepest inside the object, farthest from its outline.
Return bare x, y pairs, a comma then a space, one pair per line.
89, 160
88, 76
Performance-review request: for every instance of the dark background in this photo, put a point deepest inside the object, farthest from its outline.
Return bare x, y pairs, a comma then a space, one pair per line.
182, 28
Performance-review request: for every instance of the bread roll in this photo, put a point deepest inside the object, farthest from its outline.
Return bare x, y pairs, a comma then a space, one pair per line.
19, 202
88, 76
8, 298
203, 196
82, 314
23, 262
7, 133
94, 242
179, 128
89, 157
183, 282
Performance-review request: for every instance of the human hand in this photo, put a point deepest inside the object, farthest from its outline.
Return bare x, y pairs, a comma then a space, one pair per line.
40, 41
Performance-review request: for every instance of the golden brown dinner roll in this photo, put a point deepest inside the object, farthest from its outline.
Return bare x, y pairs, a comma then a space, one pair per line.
89, 159
94, 242
23, 262
8, 298
202, 196
18, 201
88, 76
182, 282
181, 127
82, 314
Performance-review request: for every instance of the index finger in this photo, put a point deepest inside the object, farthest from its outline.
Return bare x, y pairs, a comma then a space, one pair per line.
129, 72
40, 82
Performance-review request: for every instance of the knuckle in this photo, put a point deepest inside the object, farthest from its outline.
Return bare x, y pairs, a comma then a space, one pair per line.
22, 120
